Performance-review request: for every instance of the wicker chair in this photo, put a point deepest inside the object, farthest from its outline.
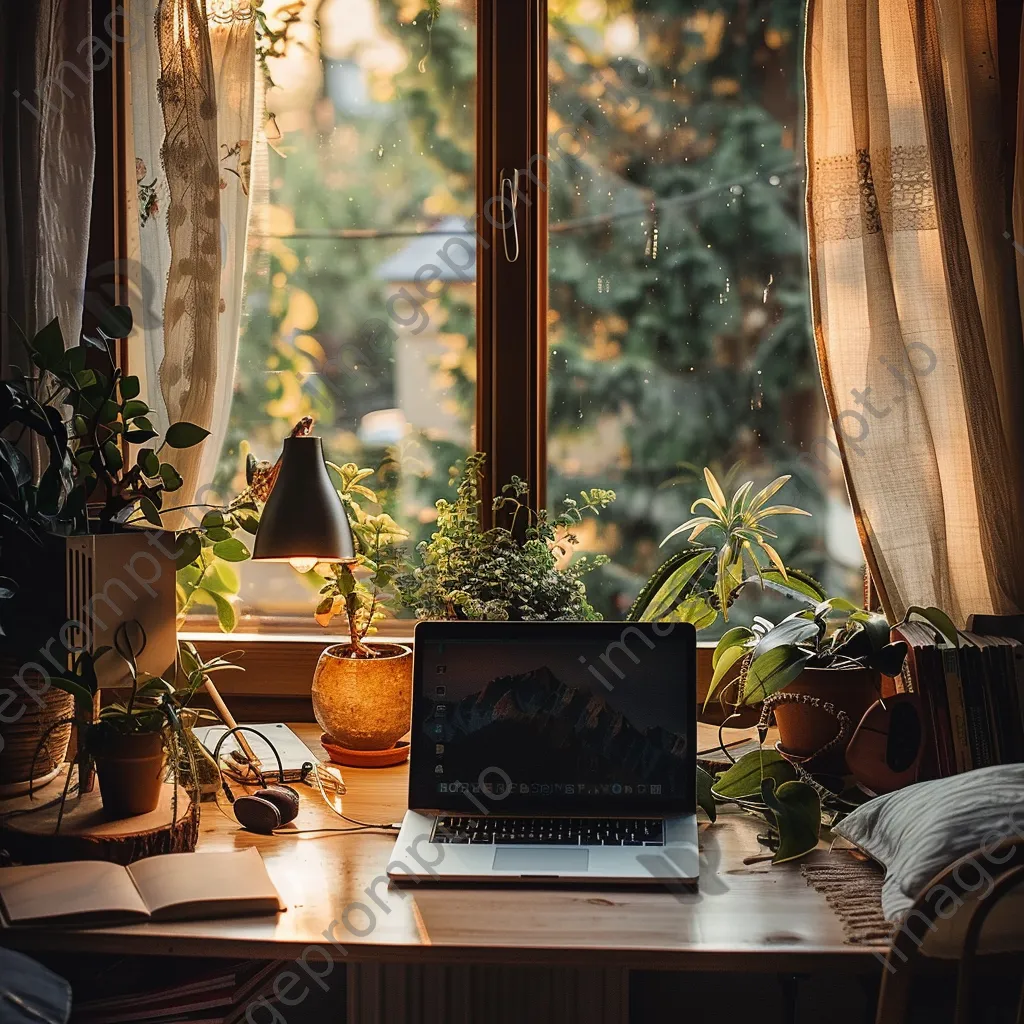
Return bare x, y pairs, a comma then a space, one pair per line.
910, 951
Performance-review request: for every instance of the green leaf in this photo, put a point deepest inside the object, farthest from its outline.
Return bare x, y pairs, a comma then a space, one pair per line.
185, 435
85, 378
773, 671
939, 619
729, 658
148, 462
696, 610
790, 631
798, 585
670, 583
222, 578
227, 615
150, 511
169, 475
797, 811
889, 660
742, 781
189, 547
116, 322
83, 697
139, 436
213, 518
112, 456
231, 550
249, 523
135, 407
129, 387
48, 345
875, 627
705, 798
734, 637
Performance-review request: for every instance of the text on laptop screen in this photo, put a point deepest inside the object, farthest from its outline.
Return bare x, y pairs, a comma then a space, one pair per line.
526, 725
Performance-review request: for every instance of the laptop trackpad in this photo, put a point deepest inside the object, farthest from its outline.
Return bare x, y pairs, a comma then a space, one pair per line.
539, 861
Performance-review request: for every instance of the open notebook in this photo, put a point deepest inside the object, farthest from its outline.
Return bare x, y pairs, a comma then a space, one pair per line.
172, 887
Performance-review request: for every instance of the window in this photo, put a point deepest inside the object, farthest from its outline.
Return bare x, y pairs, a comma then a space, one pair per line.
647, 317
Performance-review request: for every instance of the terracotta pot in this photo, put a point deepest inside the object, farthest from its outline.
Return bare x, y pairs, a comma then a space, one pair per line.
364, 703
131, 772
804, 729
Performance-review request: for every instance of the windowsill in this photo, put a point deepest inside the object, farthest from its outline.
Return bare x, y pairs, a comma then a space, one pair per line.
281, 664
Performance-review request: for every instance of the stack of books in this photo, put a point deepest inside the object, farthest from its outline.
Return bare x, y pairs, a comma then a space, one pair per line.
971, 699
221, 996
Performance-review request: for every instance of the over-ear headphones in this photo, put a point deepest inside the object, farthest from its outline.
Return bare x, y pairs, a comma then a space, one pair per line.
269, 807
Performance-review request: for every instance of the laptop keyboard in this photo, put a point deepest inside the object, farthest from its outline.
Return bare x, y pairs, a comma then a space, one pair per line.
491, 830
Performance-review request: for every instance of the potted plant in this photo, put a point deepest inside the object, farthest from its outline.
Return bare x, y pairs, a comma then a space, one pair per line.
702, 581
362, 689
514, 572
67, 496
828, 659
818, 677
140, 737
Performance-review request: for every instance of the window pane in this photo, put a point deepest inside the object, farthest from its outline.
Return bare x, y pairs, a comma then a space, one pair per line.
679, 324
350, 314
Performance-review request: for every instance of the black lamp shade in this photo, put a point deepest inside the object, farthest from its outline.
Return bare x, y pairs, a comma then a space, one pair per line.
304, 517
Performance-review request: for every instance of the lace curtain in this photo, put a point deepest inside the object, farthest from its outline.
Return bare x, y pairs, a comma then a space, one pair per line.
916, 235
193, 96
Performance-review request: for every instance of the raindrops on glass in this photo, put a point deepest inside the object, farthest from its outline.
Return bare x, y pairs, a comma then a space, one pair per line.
757, 396
380, 152
764, 294
651, 244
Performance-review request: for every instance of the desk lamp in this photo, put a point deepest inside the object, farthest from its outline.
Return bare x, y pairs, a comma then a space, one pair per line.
304, 520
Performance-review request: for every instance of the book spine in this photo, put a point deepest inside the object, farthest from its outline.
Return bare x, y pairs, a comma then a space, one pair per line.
957, 710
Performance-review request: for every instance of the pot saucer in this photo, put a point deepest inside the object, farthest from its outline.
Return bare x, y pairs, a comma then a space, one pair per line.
398, 754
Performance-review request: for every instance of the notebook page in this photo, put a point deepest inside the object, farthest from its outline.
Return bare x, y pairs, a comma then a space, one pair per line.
40, 892
215, 879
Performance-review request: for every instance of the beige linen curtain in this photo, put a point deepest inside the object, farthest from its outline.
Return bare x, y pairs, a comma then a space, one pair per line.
916, 232
192, 85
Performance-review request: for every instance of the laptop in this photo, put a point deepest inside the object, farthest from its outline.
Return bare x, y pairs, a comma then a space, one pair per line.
552, 752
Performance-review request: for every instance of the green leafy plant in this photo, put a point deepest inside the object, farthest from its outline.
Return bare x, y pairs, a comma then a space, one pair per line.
361, 589
466, 572
700, 582
796, 805
207, 554
776, 654
86, 443
147, 704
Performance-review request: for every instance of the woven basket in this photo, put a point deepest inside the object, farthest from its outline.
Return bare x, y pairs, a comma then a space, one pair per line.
20, 739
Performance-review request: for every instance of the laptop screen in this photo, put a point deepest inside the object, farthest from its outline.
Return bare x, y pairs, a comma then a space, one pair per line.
558, 718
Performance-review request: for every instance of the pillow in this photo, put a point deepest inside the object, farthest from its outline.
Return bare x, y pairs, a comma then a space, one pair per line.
916, 832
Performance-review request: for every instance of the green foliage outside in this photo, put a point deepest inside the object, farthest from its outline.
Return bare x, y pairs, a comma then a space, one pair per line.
679, 321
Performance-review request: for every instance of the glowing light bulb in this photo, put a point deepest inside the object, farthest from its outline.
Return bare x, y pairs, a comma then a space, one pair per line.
302, 564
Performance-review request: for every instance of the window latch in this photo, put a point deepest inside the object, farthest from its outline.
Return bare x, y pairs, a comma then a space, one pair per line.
509, 203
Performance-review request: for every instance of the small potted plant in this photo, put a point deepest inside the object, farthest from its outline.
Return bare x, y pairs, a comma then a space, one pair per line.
134, 738
362, 689
67, 494
828, 660
514, 572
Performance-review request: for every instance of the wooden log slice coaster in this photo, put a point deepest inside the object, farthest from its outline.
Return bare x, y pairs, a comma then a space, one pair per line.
28, 828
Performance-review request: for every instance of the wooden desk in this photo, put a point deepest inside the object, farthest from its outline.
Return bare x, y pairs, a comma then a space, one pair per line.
744, 917
574, 948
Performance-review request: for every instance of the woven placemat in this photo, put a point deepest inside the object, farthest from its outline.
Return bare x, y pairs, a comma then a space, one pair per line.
853, 889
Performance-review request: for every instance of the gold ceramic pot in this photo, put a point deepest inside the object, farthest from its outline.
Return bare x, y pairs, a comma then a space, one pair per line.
364, 703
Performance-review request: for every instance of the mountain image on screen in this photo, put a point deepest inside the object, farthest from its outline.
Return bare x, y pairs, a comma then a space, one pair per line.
563, 733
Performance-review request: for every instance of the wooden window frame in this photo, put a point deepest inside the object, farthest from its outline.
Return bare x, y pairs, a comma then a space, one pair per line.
511, 401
